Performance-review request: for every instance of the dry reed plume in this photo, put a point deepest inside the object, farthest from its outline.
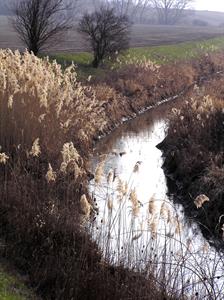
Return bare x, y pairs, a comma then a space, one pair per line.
193, 151
48, 121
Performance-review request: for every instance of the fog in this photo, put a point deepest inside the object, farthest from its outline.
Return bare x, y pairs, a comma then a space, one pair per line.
215, 5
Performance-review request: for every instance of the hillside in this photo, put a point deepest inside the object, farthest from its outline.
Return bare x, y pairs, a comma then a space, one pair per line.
213, 18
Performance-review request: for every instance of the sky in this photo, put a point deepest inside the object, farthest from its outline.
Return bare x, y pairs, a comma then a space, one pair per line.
215, 5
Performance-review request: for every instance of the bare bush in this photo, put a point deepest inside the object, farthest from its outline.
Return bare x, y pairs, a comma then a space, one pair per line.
106, 32
39, 22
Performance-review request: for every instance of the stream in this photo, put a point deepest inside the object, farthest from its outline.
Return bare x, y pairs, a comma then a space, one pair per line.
137, 225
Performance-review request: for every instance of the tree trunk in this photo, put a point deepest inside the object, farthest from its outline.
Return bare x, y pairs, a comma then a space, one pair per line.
96, 62
33, 49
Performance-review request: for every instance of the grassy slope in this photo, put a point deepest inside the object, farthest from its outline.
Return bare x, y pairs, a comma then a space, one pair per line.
158, 54
12, 287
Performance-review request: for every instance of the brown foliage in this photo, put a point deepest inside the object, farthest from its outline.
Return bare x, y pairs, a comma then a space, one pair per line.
48, 121
194, 158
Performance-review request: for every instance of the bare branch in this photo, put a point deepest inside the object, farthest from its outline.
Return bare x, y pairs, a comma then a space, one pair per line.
106, 32
170, 11
39, 22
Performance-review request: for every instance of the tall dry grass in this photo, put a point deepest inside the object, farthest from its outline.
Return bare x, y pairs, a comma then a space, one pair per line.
193, 151
47, 124
144, 84
153, 238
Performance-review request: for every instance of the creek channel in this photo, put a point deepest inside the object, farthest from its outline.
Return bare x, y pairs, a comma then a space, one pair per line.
137, 224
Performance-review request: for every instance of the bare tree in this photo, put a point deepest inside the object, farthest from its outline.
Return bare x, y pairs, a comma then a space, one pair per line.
39, 22
134, 9
106, 32
170, 11
143, 7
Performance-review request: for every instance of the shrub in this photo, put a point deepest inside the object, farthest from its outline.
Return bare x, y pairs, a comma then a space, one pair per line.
47, 123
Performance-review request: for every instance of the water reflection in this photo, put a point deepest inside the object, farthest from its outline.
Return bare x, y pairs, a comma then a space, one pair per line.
138, 225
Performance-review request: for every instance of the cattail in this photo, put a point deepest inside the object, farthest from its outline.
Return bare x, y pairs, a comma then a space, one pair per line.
153, 228
176, 111
121, 188
178, 227
41, 118
72, 167
99, 172
63, 167
125, 191
205, 247
85, 206
136, 167
196, 87
69, 153
51, 175
169, 215
10, 101
71, 159
110, 176
35, 150
200, 200
164, 211
151, 206
199, 117
110, 204
135, 203
189, 244
3, 158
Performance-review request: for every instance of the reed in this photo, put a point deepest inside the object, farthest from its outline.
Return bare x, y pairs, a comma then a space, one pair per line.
48, 122
156, 246
193, 151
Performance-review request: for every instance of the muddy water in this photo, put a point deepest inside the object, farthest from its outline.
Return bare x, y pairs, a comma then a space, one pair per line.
137, 225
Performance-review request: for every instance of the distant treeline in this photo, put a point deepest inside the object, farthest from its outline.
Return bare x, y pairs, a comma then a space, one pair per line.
139, 11
3, 8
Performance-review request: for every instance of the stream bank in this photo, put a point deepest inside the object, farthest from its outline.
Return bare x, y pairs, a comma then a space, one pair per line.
42, 160
193, 158
137, 224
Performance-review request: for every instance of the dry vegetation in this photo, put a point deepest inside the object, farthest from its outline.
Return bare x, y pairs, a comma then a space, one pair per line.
46, 115
193, 153
152, 237
48, 122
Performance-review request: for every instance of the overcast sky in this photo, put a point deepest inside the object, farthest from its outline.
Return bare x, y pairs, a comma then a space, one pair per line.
216, 5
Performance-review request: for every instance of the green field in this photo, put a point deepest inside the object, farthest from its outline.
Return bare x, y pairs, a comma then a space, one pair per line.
158, 54
12, 288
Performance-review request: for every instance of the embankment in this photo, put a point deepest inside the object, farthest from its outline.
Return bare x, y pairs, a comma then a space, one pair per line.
193, 158
48, 125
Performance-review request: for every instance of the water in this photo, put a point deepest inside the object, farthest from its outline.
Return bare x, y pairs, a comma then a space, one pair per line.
137, 225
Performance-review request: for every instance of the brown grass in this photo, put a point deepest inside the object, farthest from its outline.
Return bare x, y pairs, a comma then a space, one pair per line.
194, 158
48, 122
